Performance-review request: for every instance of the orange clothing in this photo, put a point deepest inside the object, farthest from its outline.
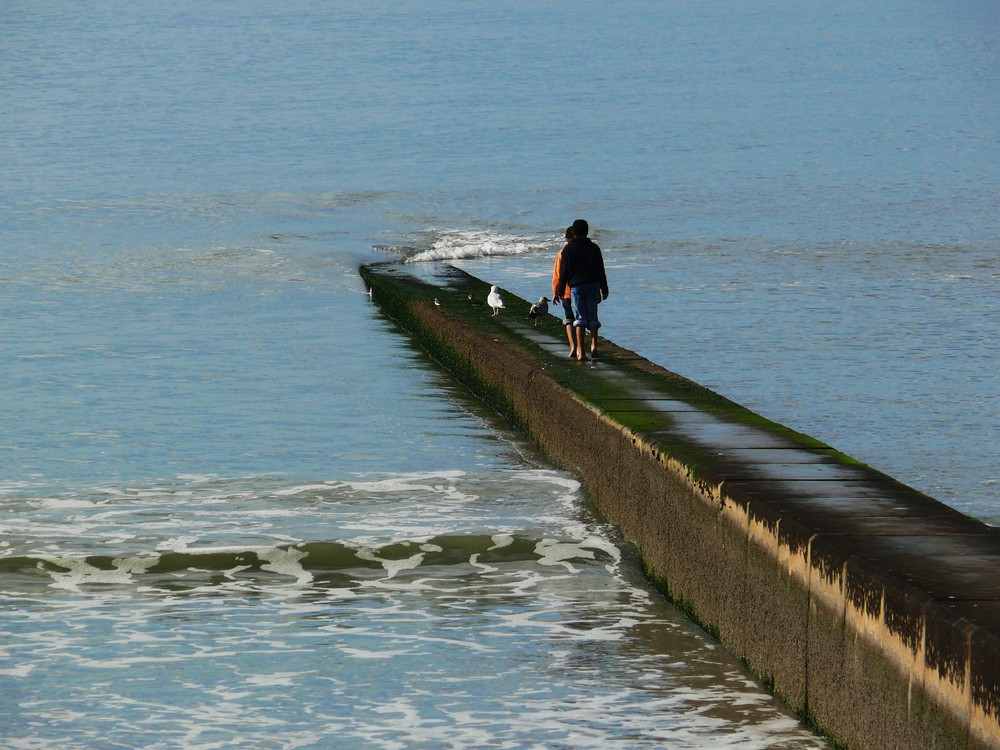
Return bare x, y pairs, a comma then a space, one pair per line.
555, 276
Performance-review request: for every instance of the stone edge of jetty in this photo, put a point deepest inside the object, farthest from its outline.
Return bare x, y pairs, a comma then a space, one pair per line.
871, 609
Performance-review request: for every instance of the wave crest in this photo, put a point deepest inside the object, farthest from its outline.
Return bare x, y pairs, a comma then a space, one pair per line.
307, 562
456, 244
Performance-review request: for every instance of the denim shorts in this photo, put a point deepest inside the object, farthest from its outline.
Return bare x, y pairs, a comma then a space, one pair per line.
568, 316
586, 297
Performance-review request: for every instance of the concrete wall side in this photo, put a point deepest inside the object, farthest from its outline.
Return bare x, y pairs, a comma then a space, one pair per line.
813, 624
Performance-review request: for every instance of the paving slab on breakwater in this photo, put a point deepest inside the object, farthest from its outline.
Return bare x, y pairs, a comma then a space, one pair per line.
871, 609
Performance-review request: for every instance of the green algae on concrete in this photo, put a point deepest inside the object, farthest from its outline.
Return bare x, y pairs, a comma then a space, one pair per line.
870, 608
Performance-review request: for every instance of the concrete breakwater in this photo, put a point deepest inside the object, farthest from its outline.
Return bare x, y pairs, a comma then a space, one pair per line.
870, 608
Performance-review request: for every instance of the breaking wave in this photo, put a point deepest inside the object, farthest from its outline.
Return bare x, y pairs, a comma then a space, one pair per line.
455, 244
307, 563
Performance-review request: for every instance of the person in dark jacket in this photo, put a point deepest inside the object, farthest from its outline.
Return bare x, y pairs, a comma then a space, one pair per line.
566, 299
581, 268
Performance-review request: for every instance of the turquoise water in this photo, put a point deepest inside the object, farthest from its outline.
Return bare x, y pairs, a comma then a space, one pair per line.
240, 509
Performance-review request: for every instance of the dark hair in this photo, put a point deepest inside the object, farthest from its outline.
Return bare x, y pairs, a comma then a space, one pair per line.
569, 233
580, 228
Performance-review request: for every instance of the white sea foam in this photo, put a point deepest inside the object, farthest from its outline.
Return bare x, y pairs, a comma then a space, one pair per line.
483, 567
474, 562
66, 503
177, 544
286, 562
276, 679
405, 482
392, 567
21, 670
299, 489
359, 653
78, 572
454, 244
560, 553
501, 540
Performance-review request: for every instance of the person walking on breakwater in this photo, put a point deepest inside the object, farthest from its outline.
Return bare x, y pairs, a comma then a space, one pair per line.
566, 299
581, 268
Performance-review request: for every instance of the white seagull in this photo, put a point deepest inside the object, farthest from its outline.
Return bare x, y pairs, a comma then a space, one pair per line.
539, 310
494, 300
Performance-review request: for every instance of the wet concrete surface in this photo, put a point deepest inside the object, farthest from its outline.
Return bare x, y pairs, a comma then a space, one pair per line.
917, 574
951, 557
924, 554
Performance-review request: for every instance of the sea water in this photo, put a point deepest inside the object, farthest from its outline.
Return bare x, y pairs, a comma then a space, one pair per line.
240, 509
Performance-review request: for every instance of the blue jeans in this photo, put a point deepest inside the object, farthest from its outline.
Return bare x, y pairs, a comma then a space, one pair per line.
586, 298
568, 315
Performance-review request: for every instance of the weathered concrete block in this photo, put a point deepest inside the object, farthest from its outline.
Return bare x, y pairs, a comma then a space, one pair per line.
871, 609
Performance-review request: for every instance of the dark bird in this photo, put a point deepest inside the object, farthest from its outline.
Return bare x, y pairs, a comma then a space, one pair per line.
539, 310
474, 301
